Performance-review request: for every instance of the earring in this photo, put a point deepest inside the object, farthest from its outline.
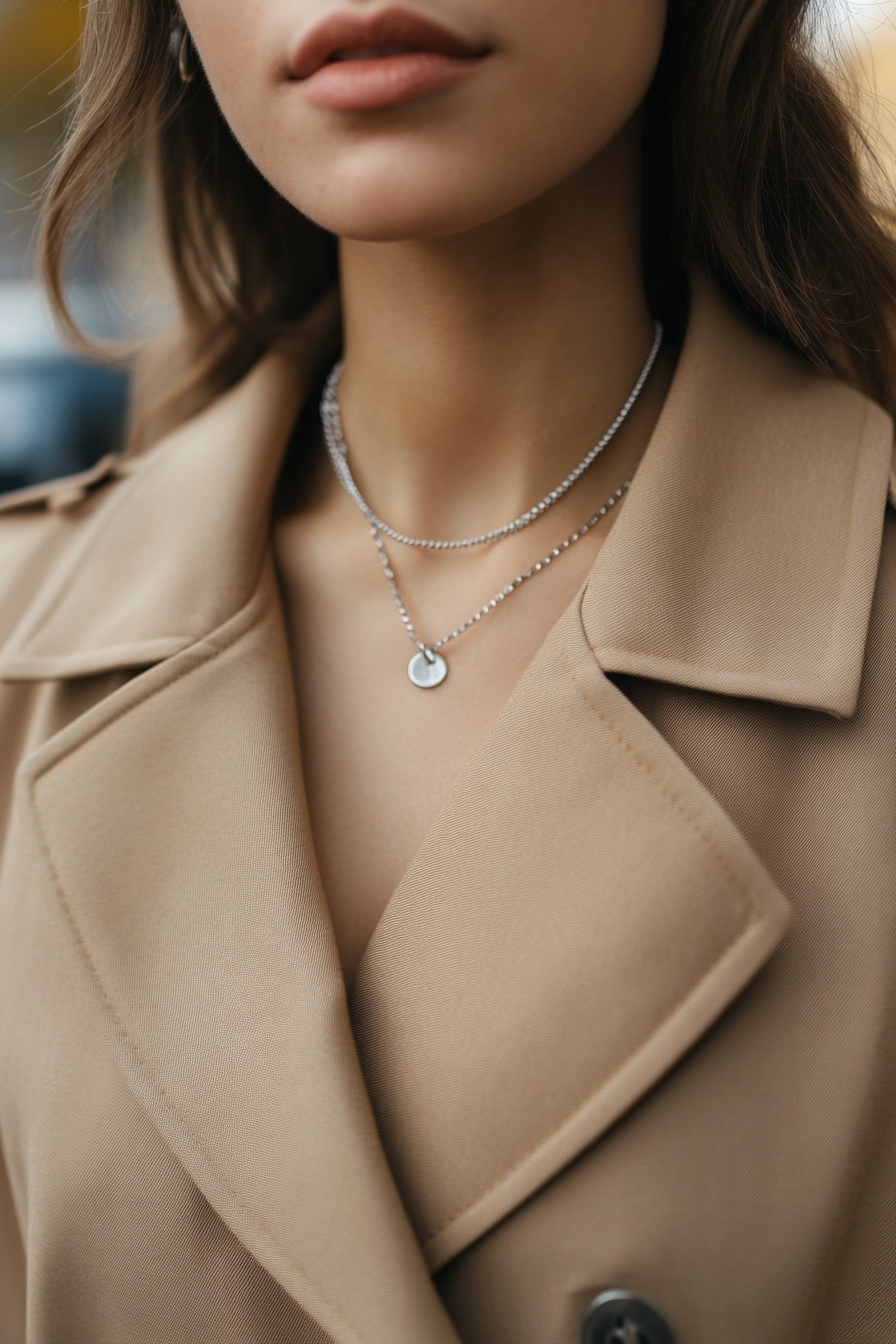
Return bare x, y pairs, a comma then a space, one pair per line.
180, 50
187, 76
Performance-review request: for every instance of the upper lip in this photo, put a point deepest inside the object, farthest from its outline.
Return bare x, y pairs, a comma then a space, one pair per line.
342, 31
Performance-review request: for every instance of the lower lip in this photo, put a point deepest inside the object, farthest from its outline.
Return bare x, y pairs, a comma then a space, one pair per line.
362, 86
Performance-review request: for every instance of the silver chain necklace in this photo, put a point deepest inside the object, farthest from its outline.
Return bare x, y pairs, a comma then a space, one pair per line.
337, 450
428, 668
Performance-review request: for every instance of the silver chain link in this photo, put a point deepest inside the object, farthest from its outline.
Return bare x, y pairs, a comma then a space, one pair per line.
337, 450
428, 650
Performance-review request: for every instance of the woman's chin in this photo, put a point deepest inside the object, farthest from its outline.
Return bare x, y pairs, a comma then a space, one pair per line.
399, 207
394, 220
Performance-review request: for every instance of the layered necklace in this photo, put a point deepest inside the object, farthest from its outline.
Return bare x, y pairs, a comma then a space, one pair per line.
428, 667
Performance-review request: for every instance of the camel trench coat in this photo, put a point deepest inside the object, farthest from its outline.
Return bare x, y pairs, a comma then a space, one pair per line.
628, 1017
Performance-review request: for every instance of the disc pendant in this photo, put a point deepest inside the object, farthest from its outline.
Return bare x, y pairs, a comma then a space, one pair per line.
427, 672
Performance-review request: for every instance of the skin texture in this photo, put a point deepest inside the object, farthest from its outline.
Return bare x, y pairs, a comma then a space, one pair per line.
495, 321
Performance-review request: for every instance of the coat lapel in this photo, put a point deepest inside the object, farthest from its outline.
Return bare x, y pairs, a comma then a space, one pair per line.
173, 846
579, 915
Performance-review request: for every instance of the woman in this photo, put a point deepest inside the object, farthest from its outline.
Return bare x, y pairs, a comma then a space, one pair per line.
544, 992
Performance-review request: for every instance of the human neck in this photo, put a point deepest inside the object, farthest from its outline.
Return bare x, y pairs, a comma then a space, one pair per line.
480, 368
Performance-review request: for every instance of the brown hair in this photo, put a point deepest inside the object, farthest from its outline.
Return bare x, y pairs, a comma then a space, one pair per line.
754, 166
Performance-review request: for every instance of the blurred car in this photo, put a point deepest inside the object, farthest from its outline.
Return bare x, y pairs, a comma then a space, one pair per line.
58, 413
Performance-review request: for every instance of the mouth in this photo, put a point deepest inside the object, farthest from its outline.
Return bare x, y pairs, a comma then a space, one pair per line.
354, 62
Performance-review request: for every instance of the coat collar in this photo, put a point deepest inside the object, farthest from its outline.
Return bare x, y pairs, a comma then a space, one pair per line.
700, 582
746, 557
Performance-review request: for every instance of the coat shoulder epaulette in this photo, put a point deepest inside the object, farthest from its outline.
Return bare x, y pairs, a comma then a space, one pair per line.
66, 491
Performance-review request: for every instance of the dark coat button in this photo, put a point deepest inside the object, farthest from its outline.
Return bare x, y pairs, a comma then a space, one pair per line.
620, 1317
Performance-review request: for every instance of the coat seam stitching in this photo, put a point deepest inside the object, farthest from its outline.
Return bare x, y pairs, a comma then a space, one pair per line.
665, 792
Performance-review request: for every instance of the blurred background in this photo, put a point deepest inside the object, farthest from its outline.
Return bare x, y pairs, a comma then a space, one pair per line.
59, 413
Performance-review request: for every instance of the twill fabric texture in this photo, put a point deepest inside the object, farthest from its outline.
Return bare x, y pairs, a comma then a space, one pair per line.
627, 1020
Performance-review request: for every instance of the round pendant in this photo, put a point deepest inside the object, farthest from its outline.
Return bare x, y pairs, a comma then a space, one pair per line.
426, 674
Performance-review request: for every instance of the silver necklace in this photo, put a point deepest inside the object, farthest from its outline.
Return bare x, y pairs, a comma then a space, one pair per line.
428, 668
337, 450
